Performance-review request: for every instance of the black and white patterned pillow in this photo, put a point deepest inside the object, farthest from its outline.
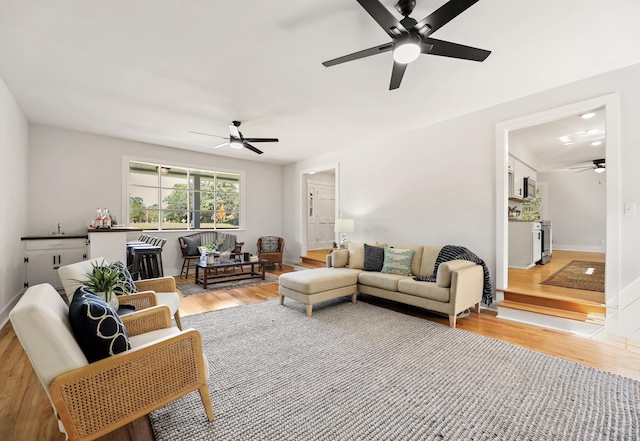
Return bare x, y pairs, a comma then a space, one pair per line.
96, 326
125, 284
192, 244
373, 258
270, 244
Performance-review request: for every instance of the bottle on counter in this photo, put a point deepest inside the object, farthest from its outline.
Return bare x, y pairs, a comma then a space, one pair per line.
106, 219
97, 222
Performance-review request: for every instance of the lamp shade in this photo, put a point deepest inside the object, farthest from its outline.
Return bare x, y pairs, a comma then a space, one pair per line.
344, 226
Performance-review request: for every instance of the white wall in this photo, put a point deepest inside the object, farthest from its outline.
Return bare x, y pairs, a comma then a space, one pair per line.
73, 173
576, 204
13, 215
436, 185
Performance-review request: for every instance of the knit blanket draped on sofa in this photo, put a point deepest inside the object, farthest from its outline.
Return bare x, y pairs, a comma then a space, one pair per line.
454, 252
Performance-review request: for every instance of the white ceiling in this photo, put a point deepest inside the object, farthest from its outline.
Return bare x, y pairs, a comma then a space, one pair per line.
152, 70
573, 150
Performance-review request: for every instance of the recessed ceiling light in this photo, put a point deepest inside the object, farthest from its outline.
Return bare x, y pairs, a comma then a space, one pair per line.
592, 131
595, 143
588, 115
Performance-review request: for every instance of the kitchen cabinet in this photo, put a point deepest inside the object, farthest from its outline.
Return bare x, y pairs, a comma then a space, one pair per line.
518, 179
525, 244
44, 255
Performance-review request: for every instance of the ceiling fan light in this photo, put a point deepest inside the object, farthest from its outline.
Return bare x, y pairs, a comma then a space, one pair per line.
599, 170
235, 145
588, 115
406, 51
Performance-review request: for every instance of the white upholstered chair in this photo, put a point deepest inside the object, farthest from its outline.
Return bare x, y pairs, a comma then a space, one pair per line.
92, 399
152, 292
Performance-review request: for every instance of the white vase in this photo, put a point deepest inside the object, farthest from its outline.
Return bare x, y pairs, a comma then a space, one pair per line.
211, 259
113, 300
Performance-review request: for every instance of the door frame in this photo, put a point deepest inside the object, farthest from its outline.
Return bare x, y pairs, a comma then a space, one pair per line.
611, 105
304, 174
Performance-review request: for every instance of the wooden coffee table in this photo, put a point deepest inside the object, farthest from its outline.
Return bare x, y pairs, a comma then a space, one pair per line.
210, 271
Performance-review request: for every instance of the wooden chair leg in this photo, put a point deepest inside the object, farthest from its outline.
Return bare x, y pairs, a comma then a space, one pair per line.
184, 261
452, 320
206, 401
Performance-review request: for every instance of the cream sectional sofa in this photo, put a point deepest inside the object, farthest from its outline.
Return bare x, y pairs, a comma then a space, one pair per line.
458, 285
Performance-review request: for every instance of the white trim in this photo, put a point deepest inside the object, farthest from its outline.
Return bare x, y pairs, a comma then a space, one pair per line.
126, 182
612, 117
302, 192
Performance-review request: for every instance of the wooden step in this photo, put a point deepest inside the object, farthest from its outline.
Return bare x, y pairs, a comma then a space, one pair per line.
311, 262
589, 317
555, 301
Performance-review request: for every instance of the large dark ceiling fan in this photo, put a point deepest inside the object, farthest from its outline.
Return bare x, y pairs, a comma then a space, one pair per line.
236, 141
410, 38
599, 166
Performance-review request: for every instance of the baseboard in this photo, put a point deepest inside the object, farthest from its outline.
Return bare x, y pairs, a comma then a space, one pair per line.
4, 315
586, 249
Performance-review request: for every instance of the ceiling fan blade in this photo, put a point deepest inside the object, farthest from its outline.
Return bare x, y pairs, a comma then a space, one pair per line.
443, 15
208, 134
396, 74
384, 17
261, 139
361, 54
221, 145
454, 50
233, 130
252, 148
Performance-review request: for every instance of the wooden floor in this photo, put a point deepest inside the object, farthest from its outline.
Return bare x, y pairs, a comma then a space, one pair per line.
26, 415
526, 292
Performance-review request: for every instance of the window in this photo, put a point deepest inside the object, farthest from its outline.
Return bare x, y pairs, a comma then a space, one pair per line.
163, 197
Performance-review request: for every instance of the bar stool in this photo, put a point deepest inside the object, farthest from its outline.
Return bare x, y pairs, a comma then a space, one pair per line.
146, 261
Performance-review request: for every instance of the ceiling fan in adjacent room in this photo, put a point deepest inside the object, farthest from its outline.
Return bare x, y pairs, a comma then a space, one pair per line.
598, 166
236, 141
410, 38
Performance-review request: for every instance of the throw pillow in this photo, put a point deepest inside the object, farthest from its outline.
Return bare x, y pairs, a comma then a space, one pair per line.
397, 261
356, 255
125, 284
270, 244
96, 326
373, 258
192, 244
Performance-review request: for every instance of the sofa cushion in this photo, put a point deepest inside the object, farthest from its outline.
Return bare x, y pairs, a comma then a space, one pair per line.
429, 256
192, 243
427, 290
416, 259
397, 261
96, 326
339, 258
269, 244
356, 255
443, 277
319, 280
373, 258
381, 280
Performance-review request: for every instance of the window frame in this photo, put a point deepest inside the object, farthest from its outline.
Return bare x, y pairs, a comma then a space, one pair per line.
126, 186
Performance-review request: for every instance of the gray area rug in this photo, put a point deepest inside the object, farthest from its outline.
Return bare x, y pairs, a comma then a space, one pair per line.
360, 372
190, 288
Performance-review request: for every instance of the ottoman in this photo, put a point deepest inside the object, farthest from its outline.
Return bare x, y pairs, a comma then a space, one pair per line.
318, 285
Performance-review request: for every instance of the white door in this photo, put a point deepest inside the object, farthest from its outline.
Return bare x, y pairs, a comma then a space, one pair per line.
321, 209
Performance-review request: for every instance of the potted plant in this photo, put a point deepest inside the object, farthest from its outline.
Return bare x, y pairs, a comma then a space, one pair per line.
211, 250
104, 281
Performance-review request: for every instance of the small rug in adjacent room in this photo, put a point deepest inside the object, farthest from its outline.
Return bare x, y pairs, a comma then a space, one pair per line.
579, 274
190, 288
361, 372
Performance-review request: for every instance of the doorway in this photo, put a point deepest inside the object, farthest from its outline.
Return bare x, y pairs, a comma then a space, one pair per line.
610, 105
321, 209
